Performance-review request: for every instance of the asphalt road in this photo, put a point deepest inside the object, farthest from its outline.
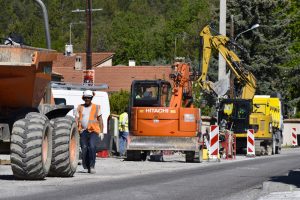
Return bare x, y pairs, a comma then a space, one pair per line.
240, 179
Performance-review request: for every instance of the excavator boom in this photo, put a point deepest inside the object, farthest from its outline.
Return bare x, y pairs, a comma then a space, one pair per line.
246, 81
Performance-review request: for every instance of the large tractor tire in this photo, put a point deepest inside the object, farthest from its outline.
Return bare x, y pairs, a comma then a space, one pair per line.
269, 150
279, 142
133, 155
65, 152
31, 144
193, 156
273, 145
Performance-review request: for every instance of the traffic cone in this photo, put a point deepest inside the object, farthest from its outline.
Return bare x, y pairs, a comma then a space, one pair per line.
103, 154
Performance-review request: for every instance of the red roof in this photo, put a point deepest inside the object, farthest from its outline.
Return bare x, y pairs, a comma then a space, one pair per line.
117, 77
69, 61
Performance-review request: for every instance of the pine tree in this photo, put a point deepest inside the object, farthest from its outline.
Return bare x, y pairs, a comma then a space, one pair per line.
292, 77
267, 46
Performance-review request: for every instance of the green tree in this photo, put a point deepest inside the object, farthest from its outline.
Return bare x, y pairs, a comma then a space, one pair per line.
119, 101
268, 46
292, 74
143, 30
294, 29
147, 30
16, 19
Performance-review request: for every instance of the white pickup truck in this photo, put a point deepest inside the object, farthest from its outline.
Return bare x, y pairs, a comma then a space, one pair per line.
64, 94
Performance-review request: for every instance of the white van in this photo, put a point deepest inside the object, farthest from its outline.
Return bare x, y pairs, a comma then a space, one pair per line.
74, 97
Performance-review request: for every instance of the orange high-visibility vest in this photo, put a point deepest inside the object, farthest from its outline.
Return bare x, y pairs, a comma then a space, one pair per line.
93, 124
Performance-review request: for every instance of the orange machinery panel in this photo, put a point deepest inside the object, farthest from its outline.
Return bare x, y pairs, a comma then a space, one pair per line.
160, 121
189, 119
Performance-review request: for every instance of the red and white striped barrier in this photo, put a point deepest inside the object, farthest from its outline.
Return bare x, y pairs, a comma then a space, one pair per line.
214, 142
294, 137
250, 142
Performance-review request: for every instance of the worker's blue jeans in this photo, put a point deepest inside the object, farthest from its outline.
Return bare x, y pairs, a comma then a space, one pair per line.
88, 142
122, 142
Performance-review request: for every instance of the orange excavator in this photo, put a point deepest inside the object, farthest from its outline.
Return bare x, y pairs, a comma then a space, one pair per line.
162, 117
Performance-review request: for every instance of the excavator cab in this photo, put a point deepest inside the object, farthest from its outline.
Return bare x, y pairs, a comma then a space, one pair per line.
150, 93
236, 112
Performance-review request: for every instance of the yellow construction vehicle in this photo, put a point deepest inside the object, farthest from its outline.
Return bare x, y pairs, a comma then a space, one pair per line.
263, 114
242, 110
267, 121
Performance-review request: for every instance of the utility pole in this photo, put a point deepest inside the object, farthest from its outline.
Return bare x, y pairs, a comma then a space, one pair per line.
231, 27
222, 30
88, 11
231, 88
70, 34
70, 40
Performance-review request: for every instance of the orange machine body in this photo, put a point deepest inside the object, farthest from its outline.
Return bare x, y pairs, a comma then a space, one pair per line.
25, 73
160, 121
177, 119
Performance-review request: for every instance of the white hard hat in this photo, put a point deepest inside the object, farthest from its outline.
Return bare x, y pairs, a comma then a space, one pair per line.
88, 93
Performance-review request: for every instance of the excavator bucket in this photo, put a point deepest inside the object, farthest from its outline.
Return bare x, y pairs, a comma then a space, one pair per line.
152, 143
222, 86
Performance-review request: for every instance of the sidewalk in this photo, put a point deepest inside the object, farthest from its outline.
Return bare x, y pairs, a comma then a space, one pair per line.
283, 187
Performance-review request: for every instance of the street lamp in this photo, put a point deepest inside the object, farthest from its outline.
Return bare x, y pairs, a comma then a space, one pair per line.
252, 27
71, 24
80, 10
183, 35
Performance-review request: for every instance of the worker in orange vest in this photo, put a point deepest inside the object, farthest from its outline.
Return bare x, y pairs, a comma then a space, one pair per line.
90, 126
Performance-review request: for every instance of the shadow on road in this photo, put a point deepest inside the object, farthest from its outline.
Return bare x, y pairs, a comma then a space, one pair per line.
7, 177
12, 178
293, 178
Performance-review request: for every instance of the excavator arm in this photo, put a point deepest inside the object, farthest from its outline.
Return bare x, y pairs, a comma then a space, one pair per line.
182, 87
245, 79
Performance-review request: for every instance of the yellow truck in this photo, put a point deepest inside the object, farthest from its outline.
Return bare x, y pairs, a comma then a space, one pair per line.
267, 121
263, 114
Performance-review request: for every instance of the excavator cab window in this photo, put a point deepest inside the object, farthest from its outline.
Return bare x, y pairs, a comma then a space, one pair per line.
166, 93
242, 112
150, 93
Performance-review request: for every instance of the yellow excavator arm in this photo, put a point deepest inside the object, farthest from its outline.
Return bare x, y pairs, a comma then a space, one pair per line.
245, 78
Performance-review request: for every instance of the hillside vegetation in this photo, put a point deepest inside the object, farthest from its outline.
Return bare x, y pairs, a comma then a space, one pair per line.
157, 30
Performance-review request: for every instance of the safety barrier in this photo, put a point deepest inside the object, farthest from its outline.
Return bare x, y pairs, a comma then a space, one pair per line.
250, 142
205, 145
214, 142
229, 145
294, 137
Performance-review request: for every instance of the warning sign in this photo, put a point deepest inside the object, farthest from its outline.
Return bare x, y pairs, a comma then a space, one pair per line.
88, 77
